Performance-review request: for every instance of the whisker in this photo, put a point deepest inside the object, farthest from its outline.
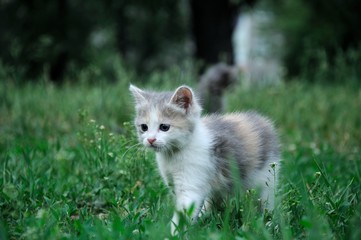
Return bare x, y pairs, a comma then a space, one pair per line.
130, 148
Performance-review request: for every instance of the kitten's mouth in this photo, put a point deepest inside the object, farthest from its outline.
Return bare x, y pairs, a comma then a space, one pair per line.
155, 148
162, 149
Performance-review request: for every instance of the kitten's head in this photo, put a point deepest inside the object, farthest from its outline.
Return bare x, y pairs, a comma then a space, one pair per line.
165, 121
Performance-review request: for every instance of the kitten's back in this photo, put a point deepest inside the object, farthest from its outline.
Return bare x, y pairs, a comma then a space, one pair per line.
248, 138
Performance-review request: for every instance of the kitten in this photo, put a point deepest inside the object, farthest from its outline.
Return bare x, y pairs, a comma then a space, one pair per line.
194, 153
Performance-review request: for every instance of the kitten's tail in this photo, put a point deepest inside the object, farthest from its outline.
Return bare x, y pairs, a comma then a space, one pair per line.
213, 83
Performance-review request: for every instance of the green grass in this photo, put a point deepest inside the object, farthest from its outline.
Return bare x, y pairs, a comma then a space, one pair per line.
70, 166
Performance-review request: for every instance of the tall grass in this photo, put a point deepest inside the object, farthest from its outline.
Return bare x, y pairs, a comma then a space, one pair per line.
71, 166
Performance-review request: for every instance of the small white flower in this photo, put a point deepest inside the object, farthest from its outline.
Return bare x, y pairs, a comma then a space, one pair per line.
317, 174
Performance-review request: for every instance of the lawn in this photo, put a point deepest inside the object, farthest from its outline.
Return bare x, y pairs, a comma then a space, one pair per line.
71, 167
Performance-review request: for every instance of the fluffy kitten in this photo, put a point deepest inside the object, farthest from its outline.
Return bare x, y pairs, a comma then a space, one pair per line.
194, 153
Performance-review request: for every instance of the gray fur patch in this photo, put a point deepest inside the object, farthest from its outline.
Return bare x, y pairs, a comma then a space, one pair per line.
248, 138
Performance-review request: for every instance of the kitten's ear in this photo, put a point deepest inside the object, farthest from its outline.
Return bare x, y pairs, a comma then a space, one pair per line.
138, 94
183, 97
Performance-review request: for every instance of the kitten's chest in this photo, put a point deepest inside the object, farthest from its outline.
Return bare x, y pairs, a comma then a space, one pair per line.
186, 170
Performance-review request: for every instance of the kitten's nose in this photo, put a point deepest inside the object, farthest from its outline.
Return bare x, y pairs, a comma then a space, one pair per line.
151, 140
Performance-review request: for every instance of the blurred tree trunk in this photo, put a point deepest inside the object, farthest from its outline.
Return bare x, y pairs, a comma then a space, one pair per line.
58, 65
121, 23
213, 22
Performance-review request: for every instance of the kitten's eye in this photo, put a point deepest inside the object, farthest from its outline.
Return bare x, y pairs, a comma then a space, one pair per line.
144, 127
164, 127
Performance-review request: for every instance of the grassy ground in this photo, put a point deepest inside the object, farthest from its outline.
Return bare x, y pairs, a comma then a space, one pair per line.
70, 166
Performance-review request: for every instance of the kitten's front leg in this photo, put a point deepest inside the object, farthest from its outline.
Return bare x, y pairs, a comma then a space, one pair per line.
184, 202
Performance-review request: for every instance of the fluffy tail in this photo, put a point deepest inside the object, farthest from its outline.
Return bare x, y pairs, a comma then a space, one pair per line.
213, 83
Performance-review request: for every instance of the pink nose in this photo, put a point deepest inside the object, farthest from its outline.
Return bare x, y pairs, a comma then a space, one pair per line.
151, 140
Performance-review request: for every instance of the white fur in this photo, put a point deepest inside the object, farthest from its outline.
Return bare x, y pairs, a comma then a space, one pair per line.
191, 171
265, 180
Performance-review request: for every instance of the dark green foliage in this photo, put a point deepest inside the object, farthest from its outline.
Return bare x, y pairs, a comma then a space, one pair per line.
40, 37
56, 39
59, 38
152, 34
318, 33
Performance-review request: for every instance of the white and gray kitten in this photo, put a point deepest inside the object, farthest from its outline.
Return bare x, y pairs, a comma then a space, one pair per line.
194, 153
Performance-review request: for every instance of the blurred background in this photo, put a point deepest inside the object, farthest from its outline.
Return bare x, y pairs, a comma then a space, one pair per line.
70, 164
267, 40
